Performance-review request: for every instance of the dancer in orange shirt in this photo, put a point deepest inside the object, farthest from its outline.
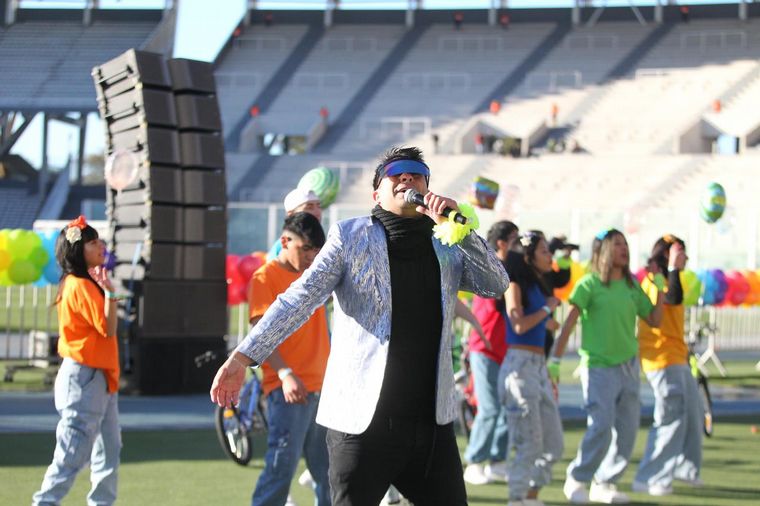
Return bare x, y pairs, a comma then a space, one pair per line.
86, 388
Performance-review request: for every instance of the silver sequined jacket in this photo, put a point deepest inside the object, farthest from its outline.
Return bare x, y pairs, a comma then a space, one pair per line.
354, 264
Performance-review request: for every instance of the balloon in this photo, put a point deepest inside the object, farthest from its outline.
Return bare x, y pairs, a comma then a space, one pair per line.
753, 296
39, 257
247, 265
713, 203
235, 295
715, 284
483, 193
692, 287
22, 272
324, 182
121, 169
640, 274
4, 239
4, 280
5, 259
738, 288
52, 272
21, 243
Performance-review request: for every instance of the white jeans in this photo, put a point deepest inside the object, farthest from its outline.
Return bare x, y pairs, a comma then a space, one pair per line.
88, 431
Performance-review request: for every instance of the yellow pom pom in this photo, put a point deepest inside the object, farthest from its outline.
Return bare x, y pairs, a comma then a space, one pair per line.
450, 232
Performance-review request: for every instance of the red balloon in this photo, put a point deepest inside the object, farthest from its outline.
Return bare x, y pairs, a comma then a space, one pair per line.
235, 295
248, 265
641, 274
738, 288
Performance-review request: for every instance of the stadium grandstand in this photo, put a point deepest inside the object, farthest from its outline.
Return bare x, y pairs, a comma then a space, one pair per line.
46, 56
588, 116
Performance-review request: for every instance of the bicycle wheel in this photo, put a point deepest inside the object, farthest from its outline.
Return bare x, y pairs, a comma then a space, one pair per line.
704, 393
233, 436
466, 417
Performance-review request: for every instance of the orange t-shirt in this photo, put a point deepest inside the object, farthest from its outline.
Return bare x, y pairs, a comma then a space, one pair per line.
664, 345
306, 350
82, 328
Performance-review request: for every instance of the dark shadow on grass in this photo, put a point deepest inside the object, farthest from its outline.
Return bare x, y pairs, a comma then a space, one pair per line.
149, 446
720, 493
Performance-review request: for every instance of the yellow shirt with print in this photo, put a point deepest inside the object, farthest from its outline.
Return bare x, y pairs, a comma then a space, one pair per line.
662, 346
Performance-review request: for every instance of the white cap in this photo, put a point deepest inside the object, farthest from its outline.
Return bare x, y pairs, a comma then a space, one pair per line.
298, 197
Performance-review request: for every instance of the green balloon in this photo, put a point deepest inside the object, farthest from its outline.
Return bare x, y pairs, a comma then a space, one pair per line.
21, 243
39, 257
692, 287
322, 181
23, 272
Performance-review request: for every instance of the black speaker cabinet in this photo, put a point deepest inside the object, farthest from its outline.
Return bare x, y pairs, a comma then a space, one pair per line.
156, 184
202, 150
204, 187
198, 112
139, 107
130, 70
180, 308
161, 145
172, 365
192, 76
161, 261
154, 222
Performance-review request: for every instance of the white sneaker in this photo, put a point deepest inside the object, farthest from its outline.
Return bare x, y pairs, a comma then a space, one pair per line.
696, 482
497, 471
644, 488
474, 474
306, 480
575, 491
290, 501
607, 493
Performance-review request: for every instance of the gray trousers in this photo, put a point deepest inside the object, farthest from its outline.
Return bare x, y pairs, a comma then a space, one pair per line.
611, 397
674, 446
535, 429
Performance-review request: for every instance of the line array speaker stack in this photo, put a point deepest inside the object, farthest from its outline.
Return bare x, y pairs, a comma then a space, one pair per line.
169, 226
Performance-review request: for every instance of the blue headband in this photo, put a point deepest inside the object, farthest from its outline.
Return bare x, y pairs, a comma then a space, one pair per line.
406, 167
601, 235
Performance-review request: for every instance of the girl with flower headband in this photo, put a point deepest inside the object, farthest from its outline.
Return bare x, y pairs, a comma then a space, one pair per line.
607, 300
535, 428
674, 447
87, 383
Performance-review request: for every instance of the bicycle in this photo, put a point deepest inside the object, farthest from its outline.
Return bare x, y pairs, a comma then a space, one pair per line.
465, 387
700, 374
235, 425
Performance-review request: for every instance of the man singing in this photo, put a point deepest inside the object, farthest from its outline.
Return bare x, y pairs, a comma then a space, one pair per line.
388, 396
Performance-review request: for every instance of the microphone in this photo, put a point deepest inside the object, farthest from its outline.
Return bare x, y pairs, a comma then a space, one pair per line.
415, 197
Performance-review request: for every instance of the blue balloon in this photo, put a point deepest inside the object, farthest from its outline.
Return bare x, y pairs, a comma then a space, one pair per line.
52, 273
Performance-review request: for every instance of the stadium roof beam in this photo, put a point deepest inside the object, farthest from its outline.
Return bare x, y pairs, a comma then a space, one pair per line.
599, 10
8, 137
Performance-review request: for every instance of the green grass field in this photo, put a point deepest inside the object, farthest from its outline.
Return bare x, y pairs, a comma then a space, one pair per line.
188, 468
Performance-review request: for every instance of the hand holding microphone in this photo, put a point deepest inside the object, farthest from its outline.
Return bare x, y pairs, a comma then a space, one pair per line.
440, 206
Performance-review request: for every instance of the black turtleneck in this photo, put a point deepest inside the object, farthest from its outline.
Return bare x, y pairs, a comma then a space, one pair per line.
409, 385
